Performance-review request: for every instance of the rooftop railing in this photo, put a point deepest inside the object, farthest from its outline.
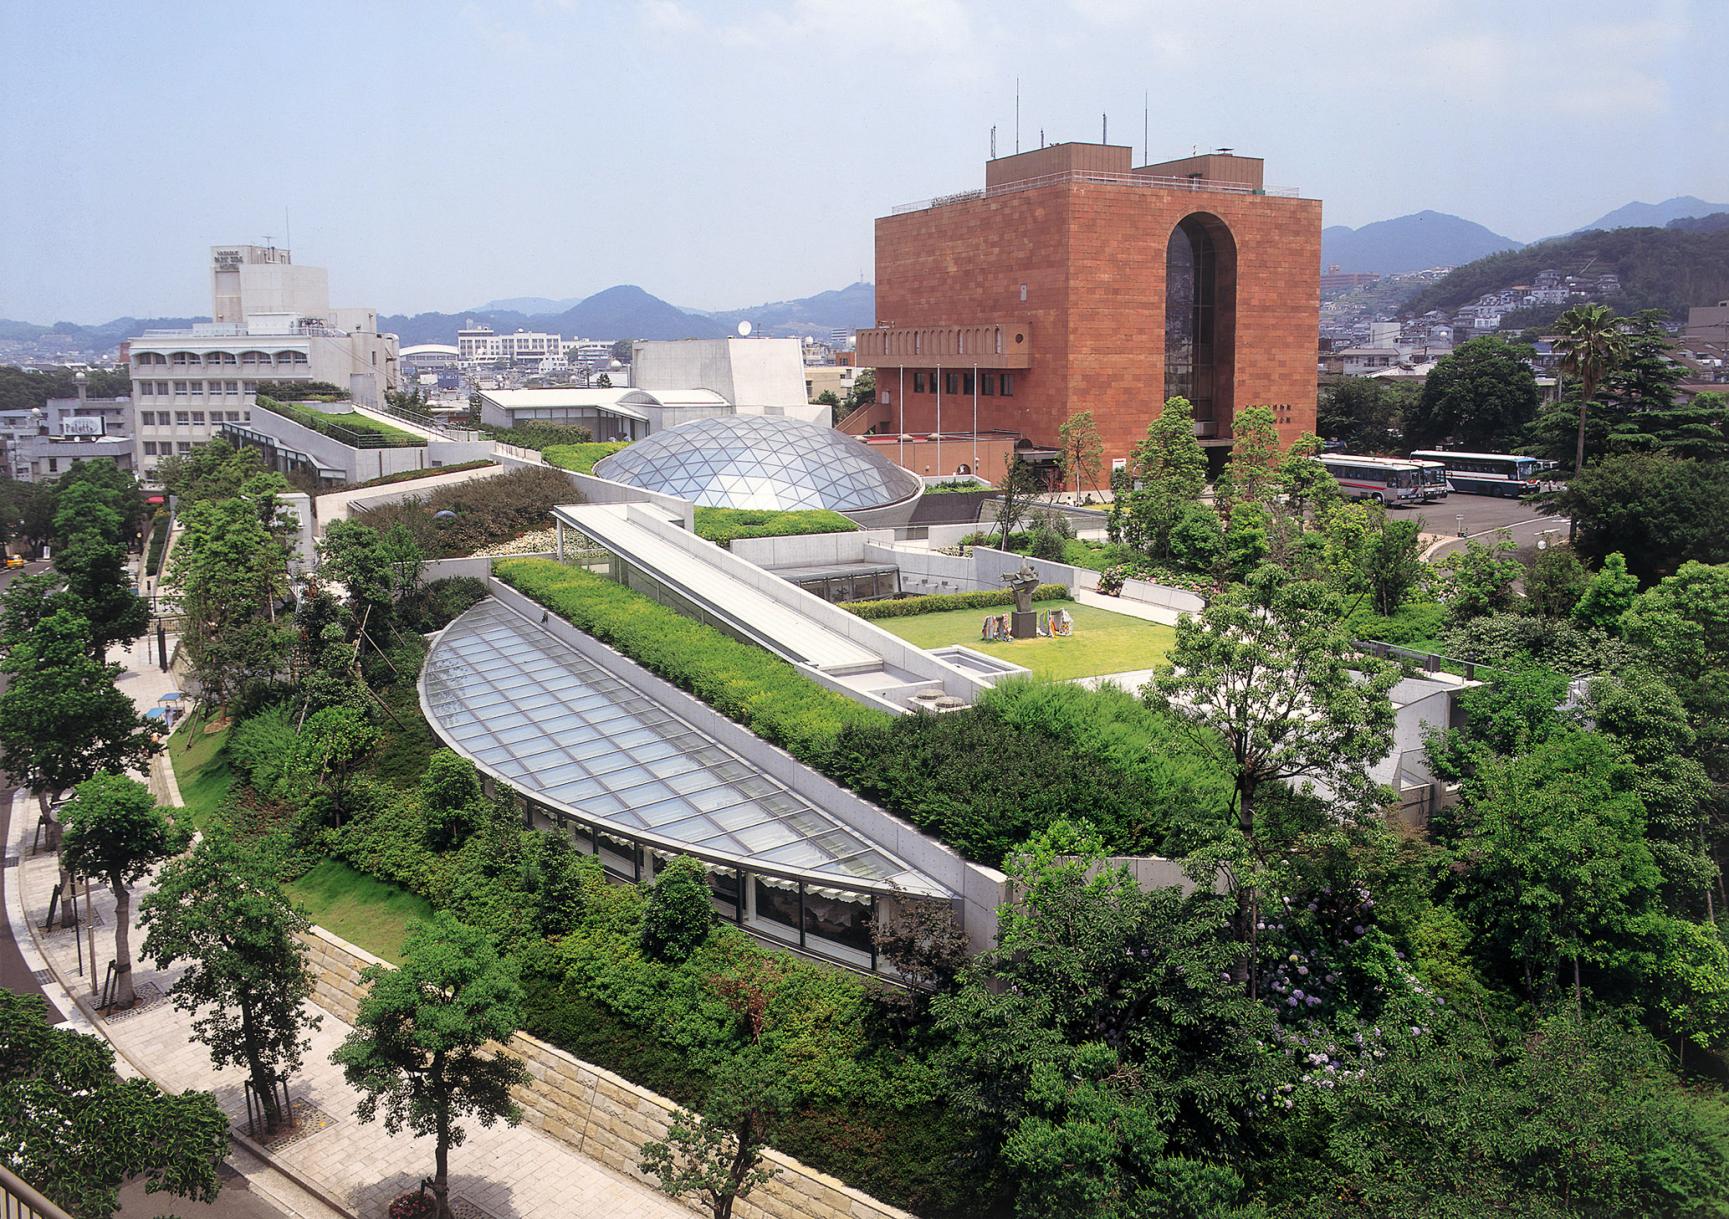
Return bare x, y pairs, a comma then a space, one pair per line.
1099, 177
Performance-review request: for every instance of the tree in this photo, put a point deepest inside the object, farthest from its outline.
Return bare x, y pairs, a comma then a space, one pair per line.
1658, 511
331, 742
61, 718
1392, 561
418, 1049
1608, 593
678, 915
221, 910
1362, 413
356, 555
450, 797
1083, 449
1554, 582
1592, 345
1479, 579
1172, 469
1017, 491
864, 389
212, 471
115, 833
1481, 397
77, 1132
101, 590
718, 1155
1103, 1042
1270, 667
831, 400
1251, 471
230, 572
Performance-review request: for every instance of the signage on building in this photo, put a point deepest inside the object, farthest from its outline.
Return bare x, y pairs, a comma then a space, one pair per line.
227, 259
82, 425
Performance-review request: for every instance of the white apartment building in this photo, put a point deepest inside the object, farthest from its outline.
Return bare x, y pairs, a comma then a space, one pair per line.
534, 350
271, 321
42, 444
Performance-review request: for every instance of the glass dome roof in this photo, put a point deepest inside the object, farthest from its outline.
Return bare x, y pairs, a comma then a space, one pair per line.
756, 461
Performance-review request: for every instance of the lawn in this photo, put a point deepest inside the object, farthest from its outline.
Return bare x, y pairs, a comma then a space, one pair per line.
1103, 642
201, 769
358, 908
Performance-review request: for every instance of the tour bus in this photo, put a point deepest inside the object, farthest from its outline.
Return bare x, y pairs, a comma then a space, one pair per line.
1386, 480
1489, 473
1435, 484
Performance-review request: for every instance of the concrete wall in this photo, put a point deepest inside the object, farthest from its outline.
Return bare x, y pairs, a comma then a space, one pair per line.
357, 465
810, 550
980, 888
1179, 599
758, 376
925, 571
1419, 706
989, 566
597, 1113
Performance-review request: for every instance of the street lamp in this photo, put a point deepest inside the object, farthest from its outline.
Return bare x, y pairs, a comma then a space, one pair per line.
1460, 518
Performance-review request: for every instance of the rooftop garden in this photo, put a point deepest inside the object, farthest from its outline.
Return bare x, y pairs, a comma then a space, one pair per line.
1103, 641
580, 457
540, 436
349, 427
488, 511
724, 526
403, 476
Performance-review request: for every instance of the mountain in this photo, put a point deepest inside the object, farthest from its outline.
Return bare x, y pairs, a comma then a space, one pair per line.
101, 334
1654, 215
529, 304
853, 307
627, 312
1410, 243
1669, 268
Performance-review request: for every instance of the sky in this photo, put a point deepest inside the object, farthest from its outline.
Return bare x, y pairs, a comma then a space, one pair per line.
435, 155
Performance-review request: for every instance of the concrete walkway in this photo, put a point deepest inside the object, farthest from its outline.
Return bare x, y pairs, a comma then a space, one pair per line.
500, 1172
1128, 606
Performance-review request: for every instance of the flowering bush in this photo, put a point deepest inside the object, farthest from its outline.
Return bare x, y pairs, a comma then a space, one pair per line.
1111, 579
414, 1204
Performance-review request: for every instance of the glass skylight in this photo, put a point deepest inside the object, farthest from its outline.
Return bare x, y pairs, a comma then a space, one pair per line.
556, 726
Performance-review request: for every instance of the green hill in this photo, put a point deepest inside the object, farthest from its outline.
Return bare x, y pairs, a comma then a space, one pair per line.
1669, 268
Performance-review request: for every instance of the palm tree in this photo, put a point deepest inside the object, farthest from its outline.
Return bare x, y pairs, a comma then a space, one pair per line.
1591, 344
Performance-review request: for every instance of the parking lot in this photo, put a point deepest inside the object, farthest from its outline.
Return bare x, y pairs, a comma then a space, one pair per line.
1478, 516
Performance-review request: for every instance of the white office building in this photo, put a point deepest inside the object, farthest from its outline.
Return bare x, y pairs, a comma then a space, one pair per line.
271, 321
43, 443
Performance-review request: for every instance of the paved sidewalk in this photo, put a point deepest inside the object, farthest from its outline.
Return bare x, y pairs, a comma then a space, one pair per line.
509, 1174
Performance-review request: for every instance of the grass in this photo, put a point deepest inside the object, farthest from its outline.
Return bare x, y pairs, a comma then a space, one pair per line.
724, 526
581, 457
358, 908
1103, 642
350, 427
201, 769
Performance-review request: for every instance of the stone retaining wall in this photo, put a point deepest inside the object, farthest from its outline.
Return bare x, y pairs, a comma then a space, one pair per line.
599, 1114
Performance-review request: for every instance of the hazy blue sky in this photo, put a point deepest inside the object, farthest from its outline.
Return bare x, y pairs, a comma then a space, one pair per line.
435, 155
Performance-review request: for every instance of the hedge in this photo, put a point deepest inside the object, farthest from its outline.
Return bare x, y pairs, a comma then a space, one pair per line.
160, 525
724, 526
402, 476
739, 680
938, 603
581, 457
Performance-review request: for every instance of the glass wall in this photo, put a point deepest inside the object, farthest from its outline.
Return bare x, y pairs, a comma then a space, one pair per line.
1191, 290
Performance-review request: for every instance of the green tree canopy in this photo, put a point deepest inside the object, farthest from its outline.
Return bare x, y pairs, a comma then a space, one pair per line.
1479, 397
1658, 511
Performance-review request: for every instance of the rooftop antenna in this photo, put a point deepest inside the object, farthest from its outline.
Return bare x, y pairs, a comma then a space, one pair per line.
1018, 115
1104, 129
1041, 137
287, 230
1146, 129
993, 141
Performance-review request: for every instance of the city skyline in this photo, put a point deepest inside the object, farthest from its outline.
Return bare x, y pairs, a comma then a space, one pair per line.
434, 158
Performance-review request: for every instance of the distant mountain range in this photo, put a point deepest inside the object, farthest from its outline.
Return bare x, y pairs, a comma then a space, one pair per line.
1655, 215
1410, 243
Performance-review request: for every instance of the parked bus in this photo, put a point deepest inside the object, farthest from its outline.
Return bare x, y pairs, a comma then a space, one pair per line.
1435, 484
1386, 480
1489, 473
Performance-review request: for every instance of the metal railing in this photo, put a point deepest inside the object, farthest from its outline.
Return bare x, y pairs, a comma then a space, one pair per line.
438, 427
1100, 177
19, 1201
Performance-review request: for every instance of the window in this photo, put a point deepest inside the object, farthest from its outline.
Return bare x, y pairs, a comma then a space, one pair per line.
198, 418
53, 465
180, 388
952, 383
918, 383
149, 448
1008, 385
195, 389
988, 384
184, 446
181, 418
147, 418
966, 383
231, 387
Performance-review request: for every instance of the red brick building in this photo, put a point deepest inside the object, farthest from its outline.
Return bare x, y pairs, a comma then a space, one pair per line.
1075, 282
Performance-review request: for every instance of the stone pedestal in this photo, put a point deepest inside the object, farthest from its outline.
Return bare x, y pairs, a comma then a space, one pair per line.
1025, 626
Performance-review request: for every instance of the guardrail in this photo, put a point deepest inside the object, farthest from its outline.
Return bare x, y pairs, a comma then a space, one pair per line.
1108, 179
19, 1201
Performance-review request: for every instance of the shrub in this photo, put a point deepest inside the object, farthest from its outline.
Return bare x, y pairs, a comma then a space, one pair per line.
938, 603
160, 524
1197, 540
488, 511
402, 476
741, 681
723, 526
450, 793
263, 751
540, 436
1417, 622
678, 916
580, 457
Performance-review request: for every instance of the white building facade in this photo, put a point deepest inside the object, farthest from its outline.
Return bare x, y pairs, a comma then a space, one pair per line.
272, 321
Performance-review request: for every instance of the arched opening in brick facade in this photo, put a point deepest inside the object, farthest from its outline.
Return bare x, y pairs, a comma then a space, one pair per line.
1201, 319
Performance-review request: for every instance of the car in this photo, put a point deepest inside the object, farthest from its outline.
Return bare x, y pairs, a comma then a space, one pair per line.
14, 562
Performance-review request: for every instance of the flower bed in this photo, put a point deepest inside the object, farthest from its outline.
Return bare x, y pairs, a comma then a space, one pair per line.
938, 603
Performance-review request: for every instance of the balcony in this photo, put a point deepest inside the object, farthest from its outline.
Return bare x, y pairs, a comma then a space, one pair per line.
986, 345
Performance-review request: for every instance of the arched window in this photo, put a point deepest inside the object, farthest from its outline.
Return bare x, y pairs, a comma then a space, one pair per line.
1200, 321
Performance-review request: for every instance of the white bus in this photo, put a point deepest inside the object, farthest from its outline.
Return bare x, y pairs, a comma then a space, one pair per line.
1435, 484
1505, 474
1386, 480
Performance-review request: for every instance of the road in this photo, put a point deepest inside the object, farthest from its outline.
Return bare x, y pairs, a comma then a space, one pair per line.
1483, 515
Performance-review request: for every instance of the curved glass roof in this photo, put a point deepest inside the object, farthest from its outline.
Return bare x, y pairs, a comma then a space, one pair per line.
756, 461
536, 713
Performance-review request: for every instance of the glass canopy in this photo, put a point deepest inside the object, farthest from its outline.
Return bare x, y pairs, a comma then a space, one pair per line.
558, 727
755, 461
